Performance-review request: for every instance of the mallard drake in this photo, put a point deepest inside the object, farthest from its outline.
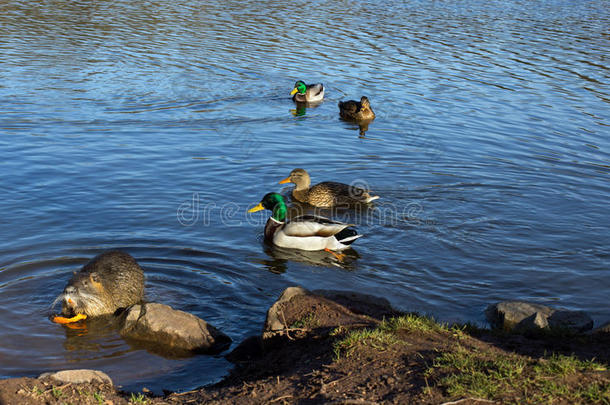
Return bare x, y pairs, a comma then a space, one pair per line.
307, 93
326, 194
354, 110
306, 232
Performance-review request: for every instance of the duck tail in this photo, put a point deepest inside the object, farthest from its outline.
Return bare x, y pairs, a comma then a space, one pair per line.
347, 236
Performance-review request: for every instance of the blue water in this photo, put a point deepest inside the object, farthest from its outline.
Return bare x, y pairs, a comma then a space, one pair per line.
152, 127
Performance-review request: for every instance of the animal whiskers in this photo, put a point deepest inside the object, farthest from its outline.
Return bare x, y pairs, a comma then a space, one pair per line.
80, 302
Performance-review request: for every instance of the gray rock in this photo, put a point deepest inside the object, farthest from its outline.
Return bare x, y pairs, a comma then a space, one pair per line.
508, 314
522, 316
78, 376
358, 302
572, 320
536, 321
174, 329
273, 321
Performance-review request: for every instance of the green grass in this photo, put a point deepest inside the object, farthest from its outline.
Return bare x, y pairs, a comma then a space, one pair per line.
98, 397
385, 334
57, 392
309, 321
562, 365
412, 323
376, 338
138, 398
466, 372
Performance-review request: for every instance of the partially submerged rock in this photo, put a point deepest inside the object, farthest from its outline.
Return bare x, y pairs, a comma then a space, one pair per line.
298, 308
177, 330
81, 376
525, 316
299, 312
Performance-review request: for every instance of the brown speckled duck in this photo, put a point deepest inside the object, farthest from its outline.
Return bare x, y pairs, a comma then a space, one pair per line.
327, 194
354, 110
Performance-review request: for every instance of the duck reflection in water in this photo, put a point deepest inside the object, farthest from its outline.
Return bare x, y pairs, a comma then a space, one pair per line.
301, 108
279, 258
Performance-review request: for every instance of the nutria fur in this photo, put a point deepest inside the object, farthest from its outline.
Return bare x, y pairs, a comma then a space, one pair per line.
110, 281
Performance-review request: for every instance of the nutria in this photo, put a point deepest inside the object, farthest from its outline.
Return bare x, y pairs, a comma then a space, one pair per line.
110, 281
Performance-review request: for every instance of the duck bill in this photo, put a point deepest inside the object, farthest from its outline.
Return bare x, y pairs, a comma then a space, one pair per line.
292, 93
259, 207
286, 180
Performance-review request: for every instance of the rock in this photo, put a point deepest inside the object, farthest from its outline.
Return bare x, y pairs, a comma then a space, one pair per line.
359, 302
78, 376
605, 328
174, 329
535, 321
572, 320
508, 314
524, 316
273, 322
303, 310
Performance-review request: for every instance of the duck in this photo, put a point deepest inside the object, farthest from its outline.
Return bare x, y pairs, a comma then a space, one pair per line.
305, 232
307, 93
327, 194
354, 110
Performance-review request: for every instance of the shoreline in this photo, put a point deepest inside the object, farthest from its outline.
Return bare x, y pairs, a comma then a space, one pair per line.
348, 348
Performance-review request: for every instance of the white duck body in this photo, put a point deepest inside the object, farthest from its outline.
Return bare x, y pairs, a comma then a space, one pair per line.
309, 232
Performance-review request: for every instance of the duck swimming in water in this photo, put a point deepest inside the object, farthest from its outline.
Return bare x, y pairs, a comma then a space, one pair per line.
356, 111
326, 194
307, 93
306, 232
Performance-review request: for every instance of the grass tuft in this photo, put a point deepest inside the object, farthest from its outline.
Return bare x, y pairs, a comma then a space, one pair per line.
138, 398
376, 338
467, 372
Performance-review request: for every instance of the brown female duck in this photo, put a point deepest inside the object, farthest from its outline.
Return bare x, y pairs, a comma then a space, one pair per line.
354, 110
326, 194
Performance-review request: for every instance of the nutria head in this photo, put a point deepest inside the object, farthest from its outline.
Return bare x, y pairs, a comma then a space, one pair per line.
84, 294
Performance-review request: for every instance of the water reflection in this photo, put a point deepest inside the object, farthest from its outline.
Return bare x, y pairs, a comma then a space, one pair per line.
280, 256
301, 108
360, 125
91, 335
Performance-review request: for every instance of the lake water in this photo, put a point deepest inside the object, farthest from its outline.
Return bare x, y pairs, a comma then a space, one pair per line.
152, 127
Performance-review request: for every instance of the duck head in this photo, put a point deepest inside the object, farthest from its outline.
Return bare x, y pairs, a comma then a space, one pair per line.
273, 202
299, 87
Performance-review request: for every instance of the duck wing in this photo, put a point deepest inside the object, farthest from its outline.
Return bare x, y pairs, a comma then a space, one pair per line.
315, 90
333, 193
313, 225
349, 107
